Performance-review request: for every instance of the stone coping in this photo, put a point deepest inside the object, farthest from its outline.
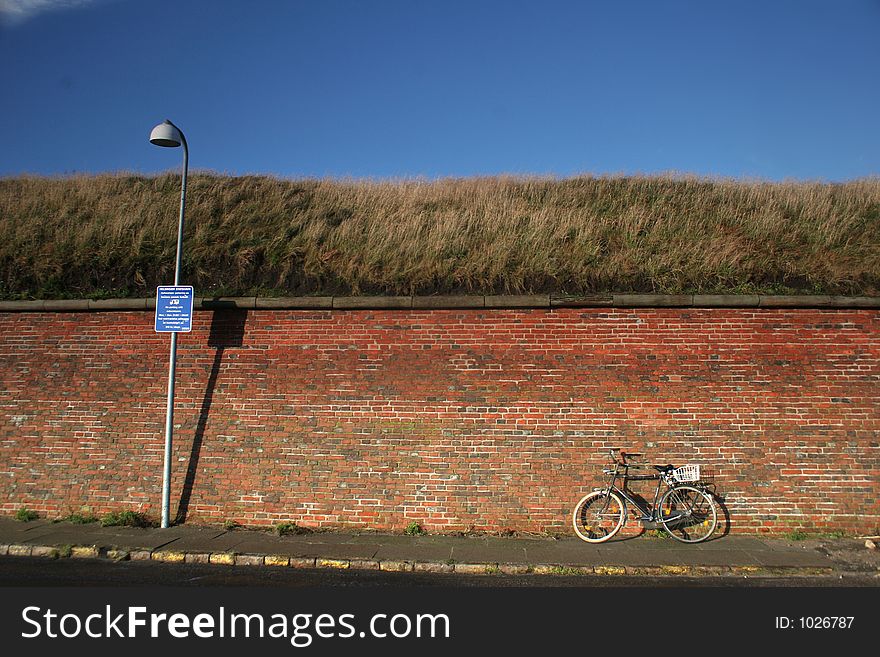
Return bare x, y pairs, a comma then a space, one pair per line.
458, 302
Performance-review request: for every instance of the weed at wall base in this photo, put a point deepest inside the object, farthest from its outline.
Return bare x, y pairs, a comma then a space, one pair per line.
414, 529
126, 519
290, 529
26, 515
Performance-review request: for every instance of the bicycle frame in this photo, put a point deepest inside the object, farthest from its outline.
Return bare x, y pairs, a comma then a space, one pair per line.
649, 512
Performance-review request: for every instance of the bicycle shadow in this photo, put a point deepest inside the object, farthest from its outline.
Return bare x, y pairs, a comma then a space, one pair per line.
724, 517
227, 331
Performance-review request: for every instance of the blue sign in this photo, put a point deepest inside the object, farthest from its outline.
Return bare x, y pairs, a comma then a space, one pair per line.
174, 309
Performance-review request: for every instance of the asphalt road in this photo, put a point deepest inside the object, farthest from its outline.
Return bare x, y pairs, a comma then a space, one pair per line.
24, 571
486, 613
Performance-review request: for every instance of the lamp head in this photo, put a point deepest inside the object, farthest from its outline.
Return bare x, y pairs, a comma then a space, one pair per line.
166, 134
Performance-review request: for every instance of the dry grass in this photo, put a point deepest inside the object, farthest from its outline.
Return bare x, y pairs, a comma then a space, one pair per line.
114, 235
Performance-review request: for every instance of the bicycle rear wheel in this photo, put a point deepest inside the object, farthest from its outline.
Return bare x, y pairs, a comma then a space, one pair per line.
688, 514
598, 516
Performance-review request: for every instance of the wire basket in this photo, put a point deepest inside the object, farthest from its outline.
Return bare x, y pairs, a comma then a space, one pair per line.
686, 473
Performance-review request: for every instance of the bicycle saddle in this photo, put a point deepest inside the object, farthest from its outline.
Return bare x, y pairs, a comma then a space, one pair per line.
663, 468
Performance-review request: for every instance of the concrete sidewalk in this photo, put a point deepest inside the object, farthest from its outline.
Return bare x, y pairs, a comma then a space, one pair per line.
730, 555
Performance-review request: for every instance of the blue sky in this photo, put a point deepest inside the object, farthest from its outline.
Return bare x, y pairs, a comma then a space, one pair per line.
405, 88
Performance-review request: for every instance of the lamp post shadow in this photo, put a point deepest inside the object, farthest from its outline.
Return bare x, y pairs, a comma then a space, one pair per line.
227, 331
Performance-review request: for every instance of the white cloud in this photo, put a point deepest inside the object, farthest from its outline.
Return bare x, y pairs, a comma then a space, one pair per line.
18, 11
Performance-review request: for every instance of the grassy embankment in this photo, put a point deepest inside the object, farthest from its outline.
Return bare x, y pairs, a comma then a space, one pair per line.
114, 235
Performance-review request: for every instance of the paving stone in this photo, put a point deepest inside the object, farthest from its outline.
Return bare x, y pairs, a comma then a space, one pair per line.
198, 557
433, 567
543, 569
475, 568
479, 553
609, 570
341, 551
223, 558
413, 552
676, 570
84, 552
44, 551
791, 559
514, 568
276, 560
248, 560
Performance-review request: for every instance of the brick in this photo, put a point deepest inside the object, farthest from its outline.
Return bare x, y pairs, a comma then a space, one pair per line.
340, 564
19, 550
140, 555
302, 562
169, 556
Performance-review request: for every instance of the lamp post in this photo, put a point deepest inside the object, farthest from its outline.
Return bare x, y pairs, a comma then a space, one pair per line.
168, 134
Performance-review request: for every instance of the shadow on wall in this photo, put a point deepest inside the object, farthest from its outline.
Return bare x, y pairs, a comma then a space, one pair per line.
227, 332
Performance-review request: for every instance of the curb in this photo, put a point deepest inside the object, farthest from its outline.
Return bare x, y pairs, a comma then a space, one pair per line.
491, 568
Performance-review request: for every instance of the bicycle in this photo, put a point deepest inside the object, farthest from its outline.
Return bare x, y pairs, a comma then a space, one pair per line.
686, 511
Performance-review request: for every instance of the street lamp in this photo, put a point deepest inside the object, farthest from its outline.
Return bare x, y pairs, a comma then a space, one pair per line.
168, 134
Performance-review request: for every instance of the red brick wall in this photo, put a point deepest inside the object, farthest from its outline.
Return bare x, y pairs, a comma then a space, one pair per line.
457, 419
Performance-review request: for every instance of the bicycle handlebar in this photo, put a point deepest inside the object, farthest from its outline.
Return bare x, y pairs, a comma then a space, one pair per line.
623, 455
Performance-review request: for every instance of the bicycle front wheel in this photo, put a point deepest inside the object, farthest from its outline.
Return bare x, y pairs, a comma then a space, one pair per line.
688, 514
598, 516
